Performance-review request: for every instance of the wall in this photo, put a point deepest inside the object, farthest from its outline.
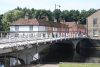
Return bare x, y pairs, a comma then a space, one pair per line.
43, 32
90, 24
12, 28
24, 28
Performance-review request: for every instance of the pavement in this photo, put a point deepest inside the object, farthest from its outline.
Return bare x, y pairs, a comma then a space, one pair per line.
47, 65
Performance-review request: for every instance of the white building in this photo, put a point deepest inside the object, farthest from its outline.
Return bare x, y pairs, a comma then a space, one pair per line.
37, 28
33, 27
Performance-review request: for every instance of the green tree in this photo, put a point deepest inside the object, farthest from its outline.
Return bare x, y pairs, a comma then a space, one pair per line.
68, 16
27, 11
33, 11
18, 8
7, 18
73, 15
65, 15
49, 14
1, 25
10, 17
40, 14
57, 14
91, 11
84, 14
17, 14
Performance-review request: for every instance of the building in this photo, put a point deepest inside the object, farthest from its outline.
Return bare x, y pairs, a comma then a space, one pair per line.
38, 28
75, 29
93, 25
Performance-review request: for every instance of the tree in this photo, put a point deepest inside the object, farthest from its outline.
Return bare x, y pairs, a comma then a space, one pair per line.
33, 11
57, 14
64, 15
68, 16
90, 11
40, 14
9, 17
1, 25
27, 11
18, 8
84, 14
49, 14
73, 15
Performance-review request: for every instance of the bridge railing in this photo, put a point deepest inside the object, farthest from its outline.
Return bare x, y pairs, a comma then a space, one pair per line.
42, 33
37, 35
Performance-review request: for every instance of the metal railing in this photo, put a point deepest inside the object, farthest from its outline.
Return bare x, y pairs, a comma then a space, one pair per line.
26, 36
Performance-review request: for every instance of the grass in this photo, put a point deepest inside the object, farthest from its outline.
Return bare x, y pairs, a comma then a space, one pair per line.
79, 65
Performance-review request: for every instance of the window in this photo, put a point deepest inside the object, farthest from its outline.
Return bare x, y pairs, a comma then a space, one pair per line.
16, 28
95, 32
31, 28
94, 21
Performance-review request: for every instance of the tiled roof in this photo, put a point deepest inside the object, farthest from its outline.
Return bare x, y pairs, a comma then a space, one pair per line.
71, 24
81, 26
36, 22
25, 22
39, 22
74, 25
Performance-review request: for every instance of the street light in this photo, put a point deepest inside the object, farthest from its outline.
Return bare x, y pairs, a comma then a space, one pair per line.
57, 5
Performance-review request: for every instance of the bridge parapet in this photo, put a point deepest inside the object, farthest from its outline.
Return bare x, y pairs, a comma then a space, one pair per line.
10, 39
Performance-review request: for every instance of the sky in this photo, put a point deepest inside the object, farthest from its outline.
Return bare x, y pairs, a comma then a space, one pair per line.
6, 5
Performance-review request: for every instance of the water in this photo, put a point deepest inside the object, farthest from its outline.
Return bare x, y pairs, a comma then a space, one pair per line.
1, 65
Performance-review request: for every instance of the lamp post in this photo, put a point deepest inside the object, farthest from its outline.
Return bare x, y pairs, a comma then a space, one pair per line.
56, 6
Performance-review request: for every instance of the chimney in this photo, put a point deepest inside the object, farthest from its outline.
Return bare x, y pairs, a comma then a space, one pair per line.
62, 21
46, 18
55, 20
26, 16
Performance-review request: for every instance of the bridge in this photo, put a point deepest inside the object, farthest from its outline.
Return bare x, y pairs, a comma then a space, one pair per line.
10, 39
25, 46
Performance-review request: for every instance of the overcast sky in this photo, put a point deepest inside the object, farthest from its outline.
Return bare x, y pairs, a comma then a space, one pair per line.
6, 5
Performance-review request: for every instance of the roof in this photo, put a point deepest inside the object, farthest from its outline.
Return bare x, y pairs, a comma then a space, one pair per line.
74, 24
37, 22
71, 24
34, 22
81, 26
25, 22
94, 13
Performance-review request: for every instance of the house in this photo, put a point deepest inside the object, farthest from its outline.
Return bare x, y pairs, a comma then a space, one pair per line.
75, 29
38, 28
93, 25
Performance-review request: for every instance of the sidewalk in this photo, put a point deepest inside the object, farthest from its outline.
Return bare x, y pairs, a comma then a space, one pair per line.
47, 65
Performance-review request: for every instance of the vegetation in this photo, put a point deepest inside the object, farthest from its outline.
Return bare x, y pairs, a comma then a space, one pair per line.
80, 65
1, 24
57, 14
